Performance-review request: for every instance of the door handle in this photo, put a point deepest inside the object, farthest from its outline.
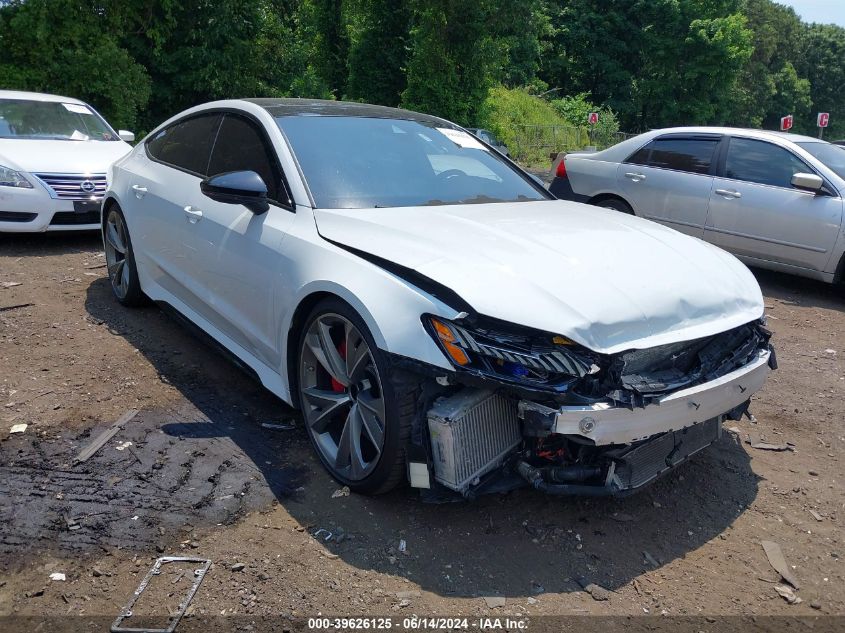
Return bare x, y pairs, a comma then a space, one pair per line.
730, 194
634, 176
193, 214
139, 191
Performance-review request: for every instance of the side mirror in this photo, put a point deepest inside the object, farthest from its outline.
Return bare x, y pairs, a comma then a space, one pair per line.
126, 135
808, 182
238, 187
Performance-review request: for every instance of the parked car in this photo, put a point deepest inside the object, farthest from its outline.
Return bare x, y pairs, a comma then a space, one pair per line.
54, 152
429, 307
491, 139
773, 199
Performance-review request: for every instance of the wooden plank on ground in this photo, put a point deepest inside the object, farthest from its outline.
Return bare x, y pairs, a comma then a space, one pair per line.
104, 437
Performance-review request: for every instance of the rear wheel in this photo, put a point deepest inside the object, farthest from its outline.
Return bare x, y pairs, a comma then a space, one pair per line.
616, 204
357, 417
120, 260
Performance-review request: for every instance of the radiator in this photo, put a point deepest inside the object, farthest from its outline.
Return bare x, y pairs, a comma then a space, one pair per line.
471, 433
652, 458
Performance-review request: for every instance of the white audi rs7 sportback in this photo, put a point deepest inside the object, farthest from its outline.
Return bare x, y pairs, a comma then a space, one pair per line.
433, 312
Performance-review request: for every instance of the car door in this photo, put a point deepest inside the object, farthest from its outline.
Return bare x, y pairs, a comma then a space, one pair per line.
237, 263
756, 212
165, 179
669, 180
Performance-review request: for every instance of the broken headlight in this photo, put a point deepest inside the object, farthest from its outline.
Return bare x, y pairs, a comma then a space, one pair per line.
512, 353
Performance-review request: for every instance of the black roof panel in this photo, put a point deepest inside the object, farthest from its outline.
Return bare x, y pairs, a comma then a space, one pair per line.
321, 107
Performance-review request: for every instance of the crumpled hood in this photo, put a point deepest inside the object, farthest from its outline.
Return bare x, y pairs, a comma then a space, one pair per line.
61, 157
606, 280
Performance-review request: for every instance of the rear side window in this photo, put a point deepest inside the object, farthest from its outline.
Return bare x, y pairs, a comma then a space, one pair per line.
640, 157
692, 155
762, 162
186, 144
241, 146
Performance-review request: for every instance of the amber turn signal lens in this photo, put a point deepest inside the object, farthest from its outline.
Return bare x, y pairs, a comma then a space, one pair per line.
447, 340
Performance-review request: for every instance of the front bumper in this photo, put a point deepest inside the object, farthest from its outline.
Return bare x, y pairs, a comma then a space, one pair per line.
604, 424
34, 211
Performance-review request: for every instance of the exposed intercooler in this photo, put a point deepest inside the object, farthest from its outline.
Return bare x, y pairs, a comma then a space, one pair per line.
471, 433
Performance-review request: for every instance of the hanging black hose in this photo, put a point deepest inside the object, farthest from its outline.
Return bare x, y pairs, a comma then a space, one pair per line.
534, 476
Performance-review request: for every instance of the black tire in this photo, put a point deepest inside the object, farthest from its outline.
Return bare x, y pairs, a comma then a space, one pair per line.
399, 392
126, 288
839, 275
616, 204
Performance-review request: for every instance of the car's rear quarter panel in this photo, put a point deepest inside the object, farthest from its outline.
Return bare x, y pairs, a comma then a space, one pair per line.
590, 177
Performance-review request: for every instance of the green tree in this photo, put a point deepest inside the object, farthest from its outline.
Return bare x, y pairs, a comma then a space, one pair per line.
655, 62
589, 49
769, 87
692, 55
323, 32
518, 30
379, 51
452, 58
72, 48
651, 62
822, 62
202, 50
791, 96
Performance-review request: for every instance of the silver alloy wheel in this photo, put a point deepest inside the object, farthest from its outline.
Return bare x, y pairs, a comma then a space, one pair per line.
116, 253
341, 394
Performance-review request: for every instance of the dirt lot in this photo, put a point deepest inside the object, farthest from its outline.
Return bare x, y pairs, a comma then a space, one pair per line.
203, 478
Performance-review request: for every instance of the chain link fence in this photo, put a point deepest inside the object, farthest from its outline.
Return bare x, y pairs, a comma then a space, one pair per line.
534, 144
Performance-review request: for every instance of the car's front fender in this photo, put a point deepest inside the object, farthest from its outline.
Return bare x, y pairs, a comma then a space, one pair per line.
390, 306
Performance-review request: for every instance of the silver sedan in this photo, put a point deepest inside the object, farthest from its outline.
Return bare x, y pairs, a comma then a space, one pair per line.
773, 199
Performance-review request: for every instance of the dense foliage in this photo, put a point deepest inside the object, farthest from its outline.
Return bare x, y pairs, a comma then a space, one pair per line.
651, 62
533, 127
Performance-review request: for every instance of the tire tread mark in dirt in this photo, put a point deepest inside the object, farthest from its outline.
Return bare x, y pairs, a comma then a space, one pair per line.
198, 472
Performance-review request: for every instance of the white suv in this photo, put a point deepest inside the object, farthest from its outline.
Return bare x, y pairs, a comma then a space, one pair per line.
54, 153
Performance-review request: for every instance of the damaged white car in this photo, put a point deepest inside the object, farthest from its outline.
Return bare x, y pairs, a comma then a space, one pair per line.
435, 315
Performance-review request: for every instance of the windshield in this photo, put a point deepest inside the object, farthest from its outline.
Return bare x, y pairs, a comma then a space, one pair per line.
359, 163
832, 156
22, 118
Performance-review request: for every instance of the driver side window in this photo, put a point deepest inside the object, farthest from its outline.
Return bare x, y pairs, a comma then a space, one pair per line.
240, 146
762, 162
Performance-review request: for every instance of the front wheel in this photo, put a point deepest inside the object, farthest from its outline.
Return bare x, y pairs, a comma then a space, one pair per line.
357, 421
120, 260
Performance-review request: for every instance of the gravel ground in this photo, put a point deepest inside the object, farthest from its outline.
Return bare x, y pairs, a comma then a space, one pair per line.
203, 478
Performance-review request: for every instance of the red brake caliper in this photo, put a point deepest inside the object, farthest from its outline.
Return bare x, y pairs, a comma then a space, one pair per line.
336, 386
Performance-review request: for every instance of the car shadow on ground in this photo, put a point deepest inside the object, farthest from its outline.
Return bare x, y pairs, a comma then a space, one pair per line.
514, 544
52, 243
796, 290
